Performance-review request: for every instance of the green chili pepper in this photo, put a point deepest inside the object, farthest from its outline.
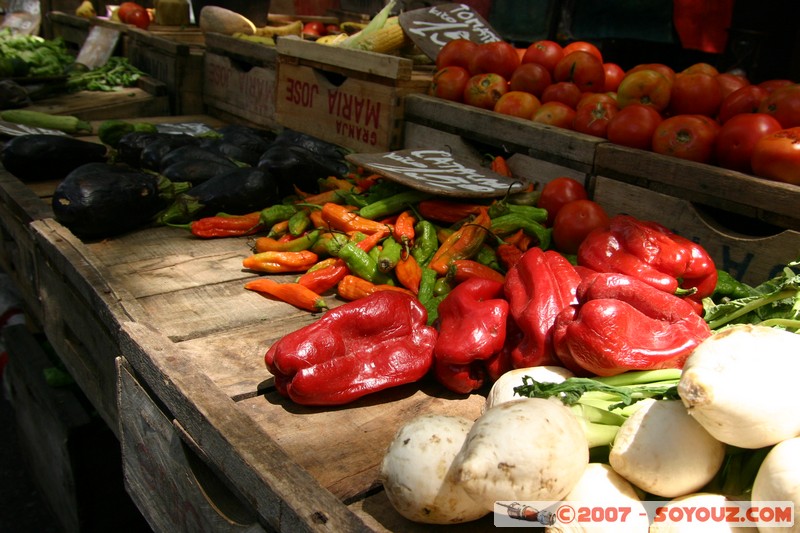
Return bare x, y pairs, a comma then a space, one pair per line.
425, 242
499, 209
506, 224
442, 286
389, 255
276, 213
392, 205
329, 243
488, 256
426, 294
728, 286
361, 263
299, 222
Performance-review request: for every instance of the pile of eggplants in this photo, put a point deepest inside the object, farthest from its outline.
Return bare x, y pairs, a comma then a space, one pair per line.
180, 177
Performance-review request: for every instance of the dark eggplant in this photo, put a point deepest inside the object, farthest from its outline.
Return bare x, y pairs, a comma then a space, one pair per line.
130, 146
240, 191
297, 166
40, 157
154, 151
196, 171
96, 204
289, 137
194, 152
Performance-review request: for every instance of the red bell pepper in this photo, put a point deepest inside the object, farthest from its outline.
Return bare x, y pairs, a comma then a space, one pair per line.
621, 323
650, 252
472, 333
538, 287
355, 349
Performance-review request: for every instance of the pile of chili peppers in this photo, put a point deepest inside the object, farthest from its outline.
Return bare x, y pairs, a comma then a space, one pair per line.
461, 290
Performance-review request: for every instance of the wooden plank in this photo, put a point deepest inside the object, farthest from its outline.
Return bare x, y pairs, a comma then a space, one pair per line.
765, 200
353, 63
285, 496
541, 141
101, 105
748, 257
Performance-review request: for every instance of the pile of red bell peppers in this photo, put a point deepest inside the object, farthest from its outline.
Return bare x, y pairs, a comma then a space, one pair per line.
632, 302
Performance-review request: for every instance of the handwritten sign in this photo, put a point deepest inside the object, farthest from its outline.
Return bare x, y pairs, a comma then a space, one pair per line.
430, 28
437, 172
98, 47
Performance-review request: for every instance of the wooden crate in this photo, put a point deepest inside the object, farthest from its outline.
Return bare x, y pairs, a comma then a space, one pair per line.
750, 257
73, 456
240, 79
165, 473
726, 190
19, 205
348, 97
176, 59
72, 29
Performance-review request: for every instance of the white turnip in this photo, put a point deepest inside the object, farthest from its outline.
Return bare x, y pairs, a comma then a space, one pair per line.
415, 471
503, 389
600, 486
696, 500
664, 451
778, 479
740, 384
526, 449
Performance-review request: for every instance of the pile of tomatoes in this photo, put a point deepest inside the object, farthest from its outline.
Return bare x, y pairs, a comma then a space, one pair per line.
698, 114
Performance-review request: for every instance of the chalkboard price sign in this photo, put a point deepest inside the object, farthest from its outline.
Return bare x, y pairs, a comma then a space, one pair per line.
430, 28
437, 172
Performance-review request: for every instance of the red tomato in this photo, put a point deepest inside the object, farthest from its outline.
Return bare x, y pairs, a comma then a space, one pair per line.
126, 8
731, 82
533, 78
688, 137
499, 57
701, 68
777, 156
648, 87
449, 83
695, 93
583, 46
633, 126
661, 68
557, 193
784, 104
456, 52
614, 75
583, 69
555, 114
546, 53
771, 85
140, 18
517, 104
744, 100
738, 136
484, 90
315, 28
574, 222
565, 92
593, 119
595, 98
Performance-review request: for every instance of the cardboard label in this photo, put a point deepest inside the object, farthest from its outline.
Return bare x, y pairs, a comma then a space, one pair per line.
437, 172
98, 47
432, 27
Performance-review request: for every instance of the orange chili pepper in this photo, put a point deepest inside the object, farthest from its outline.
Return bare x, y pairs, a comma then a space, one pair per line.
280, 262
403, 230
226, 225
279, 229
342, 218
464, 269
463, 243
291, 293
500, 165
448, 211
409, 273
324, 279
283, 244
353, 287
316, 218
508, 255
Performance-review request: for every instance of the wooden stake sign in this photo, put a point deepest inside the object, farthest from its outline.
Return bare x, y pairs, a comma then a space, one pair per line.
437, 172
98, 47
430, 28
